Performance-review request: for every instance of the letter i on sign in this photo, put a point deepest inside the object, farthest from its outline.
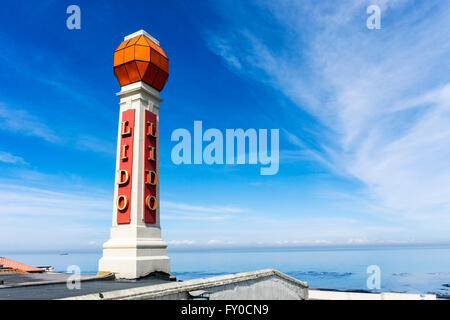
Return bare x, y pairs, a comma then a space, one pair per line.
150, 170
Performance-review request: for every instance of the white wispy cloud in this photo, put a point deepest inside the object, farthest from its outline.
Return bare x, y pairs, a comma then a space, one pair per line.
168, 205
181, 242
22, 119
382, 93
31, 202
24, 123
7, 157
91, 143
60, 217
41, 211
182, 211
56, 217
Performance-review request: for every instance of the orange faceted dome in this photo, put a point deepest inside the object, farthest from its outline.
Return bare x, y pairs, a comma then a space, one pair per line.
141, 59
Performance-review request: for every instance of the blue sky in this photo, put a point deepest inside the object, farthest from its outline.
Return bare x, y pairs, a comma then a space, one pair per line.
363, 116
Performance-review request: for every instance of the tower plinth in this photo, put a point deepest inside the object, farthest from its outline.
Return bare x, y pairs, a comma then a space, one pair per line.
135, 248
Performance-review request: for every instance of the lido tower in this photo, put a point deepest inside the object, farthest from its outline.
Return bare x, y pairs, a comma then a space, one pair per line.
135, 248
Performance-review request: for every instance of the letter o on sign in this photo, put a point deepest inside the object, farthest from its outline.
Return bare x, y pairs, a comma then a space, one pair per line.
124, 201
151, 202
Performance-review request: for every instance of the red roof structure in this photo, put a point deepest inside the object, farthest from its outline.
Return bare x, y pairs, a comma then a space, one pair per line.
22, 267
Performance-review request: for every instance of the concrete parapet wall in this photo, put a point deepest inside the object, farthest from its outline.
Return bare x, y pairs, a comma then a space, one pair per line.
266, 284
337, 295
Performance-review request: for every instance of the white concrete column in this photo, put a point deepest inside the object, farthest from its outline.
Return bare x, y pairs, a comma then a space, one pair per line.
136, 249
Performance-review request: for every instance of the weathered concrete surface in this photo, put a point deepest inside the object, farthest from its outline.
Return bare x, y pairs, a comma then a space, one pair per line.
35, 279
58, 290
339, 295
266, 284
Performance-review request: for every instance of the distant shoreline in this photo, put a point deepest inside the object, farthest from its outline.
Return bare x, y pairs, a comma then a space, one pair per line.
209, 248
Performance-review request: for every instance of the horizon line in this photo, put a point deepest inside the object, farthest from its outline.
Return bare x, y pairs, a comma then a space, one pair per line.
225, 247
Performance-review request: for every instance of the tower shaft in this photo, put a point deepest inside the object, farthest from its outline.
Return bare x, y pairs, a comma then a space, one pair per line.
135, 248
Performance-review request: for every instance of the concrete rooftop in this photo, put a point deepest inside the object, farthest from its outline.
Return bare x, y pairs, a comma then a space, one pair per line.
50, 285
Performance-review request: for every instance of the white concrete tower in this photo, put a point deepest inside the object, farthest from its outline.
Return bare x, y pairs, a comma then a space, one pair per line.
135, 248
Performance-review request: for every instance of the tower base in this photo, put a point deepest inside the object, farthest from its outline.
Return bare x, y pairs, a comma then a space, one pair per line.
129, 259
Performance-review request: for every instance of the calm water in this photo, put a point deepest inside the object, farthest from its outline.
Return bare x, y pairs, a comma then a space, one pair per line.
419, 270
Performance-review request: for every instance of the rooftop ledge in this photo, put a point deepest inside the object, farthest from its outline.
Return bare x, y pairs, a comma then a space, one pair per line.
252, 285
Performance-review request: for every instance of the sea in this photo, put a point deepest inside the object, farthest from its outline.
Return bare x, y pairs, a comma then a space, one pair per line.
400, 269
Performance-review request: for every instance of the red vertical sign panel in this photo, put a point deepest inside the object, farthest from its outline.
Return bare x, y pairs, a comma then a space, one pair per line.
151, 175
126, 166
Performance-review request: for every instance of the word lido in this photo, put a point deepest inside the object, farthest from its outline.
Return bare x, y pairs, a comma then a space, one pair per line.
125, 172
